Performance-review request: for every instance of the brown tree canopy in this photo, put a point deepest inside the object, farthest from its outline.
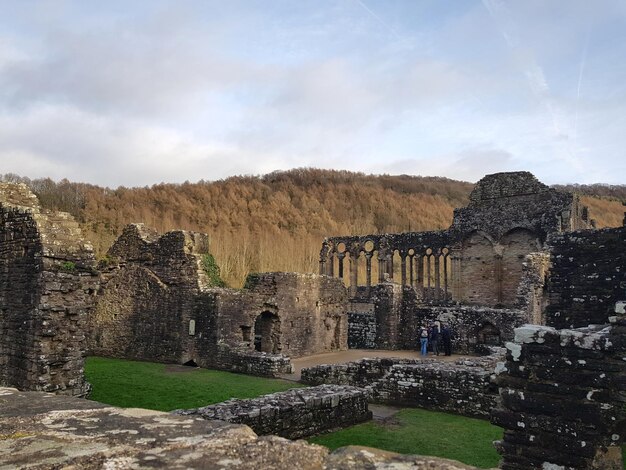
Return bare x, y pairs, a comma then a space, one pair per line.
276, 222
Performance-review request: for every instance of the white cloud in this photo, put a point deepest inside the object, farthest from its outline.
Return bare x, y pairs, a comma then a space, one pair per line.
205, 92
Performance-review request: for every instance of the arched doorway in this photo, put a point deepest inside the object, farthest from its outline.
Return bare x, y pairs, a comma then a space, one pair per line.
267, 333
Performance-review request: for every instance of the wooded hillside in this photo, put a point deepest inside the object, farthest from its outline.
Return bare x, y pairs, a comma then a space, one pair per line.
276, 222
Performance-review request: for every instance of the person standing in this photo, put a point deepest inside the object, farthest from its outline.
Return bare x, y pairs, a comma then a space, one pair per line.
446, 337
435, 332
424, 340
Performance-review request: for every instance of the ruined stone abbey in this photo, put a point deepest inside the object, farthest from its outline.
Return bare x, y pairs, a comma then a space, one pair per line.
534, 293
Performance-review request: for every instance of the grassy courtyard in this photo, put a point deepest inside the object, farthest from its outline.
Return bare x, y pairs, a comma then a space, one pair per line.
161, 387
411, 431
417, 431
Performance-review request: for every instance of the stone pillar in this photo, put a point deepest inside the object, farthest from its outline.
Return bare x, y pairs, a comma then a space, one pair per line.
498, 277
324, 258
368, 271
419, 259
428, 277
354, 272
340, 257
446, 260
437, 277
403, 268
455, 273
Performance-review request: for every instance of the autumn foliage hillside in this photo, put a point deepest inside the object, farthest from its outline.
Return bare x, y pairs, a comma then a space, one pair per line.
274, 222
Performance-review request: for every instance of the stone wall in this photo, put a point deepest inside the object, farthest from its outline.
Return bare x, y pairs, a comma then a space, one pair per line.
464, 387
563, 398
473, 328
532, 291
587, 277
503, 202
156, 304
47, 288
283, 313
150, 295
393, 315
294, 414
245, 361
46, 431
478, 260
361, 330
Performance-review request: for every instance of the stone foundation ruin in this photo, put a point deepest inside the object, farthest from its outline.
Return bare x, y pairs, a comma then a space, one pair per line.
465, 386
296, 413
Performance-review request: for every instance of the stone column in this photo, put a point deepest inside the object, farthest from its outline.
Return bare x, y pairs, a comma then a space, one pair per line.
368, 271
437, 276
403, 268
419, 259
354, 272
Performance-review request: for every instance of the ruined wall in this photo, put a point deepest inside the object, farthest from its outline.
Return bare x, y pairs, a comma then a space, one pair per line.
294, 414
47, 287
563, 398
394, 315
478, 260
285, 313
473, 328
156, 304
502, 202
149, 296
532, 293
587, 276
464, 387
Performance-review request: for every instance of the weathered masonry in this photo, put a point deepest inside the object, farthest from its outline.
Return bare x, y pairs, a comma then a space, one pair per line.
295, 413
156, 303
563, 398
48, 283
586, 277
465, 387
481, 260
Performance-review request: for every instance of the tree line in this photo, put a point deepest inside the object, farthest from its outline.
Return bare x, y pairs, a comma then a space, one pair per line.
276, 222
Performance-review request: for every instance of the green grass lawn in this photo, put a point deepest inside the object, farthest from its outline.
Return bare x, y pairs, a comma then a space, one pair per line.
424, 432
414, 431
148, 385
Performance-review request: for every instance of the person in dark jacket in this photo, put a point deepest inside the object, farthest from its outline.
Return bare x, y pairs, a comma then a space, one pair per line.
435, 333
446, 337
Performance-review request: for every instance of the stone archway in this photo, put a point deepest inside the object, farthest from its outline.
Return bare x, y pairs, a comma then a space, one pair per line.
267, 336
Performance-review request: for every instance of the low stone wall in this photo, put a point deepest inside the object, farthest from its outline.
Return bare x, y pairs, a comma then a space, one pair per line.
294, 414
464, 387
245, 361
563, 395
361, 373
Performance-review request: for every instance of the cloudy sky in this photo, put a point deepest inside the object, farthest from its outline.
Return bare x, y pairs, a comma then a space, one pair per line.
135, 93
